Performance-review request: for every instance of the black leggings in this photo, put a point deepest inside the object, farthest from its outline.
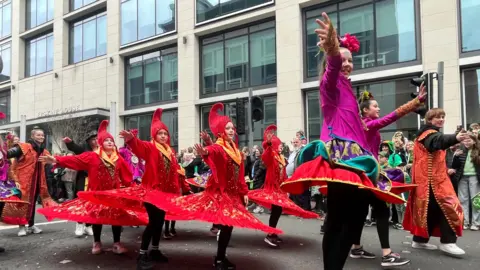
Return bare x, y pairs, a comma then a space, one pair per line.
2, 204
345, 213
223, 240
97, 232
381, 211
153, 231
168, 227
274, 216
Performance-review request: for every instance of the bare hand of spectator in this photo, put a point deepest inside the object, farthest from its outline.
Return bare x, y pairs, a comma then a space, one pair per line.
451, 171
458, 152
462, 135
67, 140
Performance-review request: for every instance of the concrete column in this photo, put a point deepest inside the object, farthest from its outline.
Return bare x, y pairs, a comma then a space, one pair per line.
17, 57
290, 112
440, 42
188, 75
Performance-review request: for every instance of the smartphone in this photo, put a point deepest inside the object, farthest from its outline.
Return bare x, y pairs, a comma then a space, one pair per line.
459, 127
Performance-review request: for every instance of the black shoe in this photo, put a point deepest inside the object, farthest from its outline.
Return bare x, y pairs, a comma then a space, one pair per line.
157, 256
173, 232
394, 259
144, 262
271, 240
359, 253
214, 230
167, 236
2, 250
224, 264
278, 239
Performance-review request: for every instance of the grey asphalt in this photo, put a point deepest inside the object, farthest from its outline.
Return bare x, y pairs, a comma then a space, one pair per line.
194, 248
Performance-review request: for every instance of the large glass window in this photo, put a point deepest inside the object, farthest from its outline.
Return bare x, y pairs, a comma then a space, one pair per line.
39, 12
152, 77
211, 9
5, 106
88, 38
39, 55
76, 4
386, 30
472, 96
146, 18
6, 60
469, 10
239, 59
389, 95
270, 117
143, 122
5, 19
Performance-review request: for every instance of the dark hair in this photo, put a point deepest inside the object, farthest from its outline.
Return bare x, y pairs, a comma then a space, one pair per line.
365, 105
475, 154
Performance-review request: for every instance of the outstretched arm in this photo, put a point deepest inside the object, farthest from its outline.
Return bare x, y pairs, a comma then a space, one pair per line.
80, 162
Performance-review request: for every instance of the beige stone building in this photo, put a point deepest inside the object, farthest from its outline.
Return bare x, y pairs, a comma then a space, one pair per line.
70, 59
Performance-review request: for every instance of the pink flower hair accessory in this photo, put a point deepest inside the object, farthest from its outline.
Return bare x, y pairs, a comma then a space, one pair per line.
350, 42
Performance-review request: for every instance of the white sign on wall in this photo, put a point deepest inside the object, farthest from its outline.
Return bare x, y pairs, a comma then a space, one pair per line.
57, 112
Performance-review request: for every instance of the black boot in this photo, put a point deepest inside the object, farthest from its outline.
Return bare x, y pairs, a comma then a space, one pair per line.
157, 255
224, 264
2, 250
144, 262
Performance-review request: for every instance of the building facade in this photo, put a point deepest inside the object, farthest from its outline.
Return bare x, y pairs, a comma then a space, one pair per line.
69, 59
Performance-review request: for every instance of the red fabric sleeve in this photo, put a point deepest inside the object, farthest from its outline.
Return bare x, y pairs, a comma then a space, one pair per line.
242, 185
267, 156
80, 162
140, 148
126, 176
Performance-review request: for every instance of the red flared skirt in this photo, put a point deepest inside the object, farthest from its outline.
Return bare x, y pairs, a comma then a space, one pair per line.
267, 198
84, 211
131, 198
319, 172
213, 207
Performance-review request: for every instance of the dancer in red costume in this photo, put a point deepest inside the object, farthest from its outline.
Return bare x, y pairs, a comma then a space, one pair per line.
106, 170
225, 197
270, 196
159, 181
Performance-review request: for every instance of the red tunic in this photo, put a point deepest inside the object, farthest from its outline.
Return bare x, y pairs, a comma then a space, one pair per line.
270, 194
160, 180
222, 200
102, 175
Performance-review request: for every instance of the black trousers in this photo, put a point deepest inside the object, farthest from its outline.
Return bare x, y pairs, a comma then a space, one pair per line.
169, 225
275, 216
97, 232
381, 210
435, 217
2, 204
153, 231
345, 213
223, 240
31, 221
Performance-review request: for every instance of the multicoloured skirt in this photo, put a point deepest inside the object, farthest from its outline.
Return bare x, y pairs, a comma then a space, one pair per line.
9, 192
338, 161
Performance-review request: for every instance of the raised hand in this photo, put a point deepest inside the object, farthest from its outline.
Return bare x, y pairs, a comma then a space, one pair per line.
462, 135
422, 94
126, 135
327, 35
205, 137
67, 140
47, 159
200, 150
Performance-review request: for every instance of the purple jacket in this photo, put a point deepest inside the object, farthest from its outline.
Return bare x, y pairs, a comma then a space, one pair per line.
373, 132
134, 163
339, 106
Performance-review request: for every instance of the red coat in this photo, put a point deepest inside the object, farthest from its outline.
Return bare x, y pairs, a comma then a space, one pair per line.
99, 177
160, 171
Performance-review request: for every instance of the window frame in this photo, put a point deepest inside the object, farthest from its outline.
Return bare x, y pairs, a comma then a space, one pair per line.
126, 107
336, 6
6, 93
81, 21
463, 102
125, 121
355, 86
228, 15
27, 43
226, 32
2, 6
460, 37
2, 45
27, 18
137, 41
71, 5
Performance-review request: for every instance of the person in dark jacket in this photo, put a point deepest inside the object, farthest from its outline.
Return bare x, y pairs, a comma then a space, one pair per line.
258, 170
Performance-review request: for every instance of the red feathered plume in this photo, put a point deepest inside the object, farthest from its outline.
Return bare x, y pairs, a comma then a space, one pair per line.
350, 42
2, 116
103, 134
216, 121
275, 141
157, 124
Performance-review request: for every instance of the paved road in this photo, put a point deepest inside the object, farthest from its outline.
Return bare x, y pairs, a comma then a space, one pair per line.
194, 247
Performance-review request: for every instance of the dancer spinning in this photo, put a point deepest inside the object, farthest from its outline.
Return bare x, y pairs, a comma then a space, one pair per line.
370, 115
160, 178
225, 197
270, 196
433, 208
106, 170
341, 159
